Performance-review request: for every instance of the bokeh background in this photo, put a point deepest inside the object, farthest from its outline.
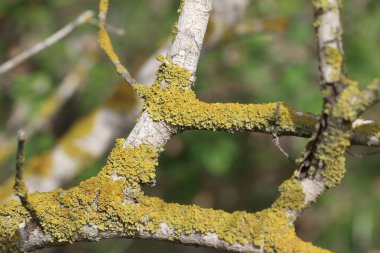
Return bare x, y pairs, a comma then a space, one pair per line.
219, 170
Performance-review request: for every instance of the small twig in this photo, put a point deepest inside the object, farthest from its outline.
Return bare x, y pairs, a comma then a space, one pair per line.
362, 155
106, 44
113, 29
20, 187
81, 19
277, 112
276, 142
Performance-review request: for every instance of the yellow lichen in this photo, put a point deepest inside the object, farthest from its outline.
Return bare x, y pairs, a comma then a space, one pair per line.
334, 58
170, 100
292, 196
324, 5
11, 216
346, 107
180, 8
113, 201
103, 6
99, 199
135, 164
331, 153
106, 45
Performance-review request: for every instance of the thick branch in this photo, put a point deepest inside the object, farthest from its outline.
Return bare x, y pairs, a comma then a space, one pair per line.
185, 53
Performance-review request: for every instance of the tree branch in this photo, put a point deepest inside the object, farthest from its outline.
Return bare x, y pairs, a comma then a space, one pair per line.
66, 30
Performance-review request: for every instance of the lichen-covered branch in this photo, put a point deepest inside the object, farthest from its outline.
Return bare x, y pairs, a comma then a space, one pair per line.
185, 52
112, 204
329, 40
84, 142
101, 207
323, 163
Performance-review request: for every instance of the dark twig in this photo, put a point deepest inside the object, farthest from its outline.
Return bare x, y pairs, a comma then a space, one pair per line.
19, 187
362, 155
276, 142
66, 30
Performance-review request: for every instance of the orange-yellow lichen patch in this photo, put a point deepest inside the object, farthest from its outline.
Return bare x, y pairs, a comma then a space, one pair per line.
346, 106
268, 228
103, 6
325, 5
105, 40
101, 201
292, 196
108, 202
135, 164
334, 58
331, 152
177, 105
106, 45
12, 214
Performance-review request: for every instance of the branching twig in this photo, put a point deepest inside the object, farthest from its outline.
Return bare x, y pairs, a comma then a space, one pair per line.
81, 19
362, 155
106, 44
276, 142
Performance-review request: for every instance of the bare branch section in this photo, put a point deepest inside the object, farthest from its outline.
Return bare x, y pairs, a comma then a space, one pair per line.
66, 30
185, 53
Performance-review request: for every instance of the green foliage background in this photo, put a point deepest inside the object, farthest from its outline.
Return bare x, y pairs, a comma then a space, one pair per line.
218, 170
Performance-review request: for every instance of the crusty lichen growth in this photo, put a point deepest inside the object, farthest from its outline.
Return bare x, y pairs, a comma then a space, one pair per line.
292, 196
180, 8
12, 214
331, 152
177, 105
334, 58
99, 200
325, 5
113, 201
